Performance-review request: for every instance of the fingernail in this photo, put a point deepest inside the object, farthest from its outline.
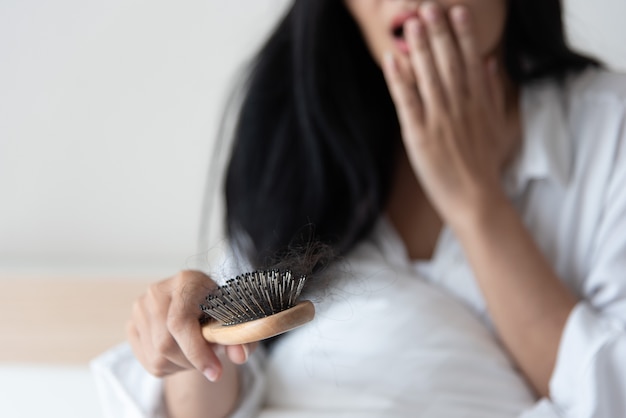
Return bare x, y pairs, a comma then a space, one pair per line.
459, 14
430, 12
211, 374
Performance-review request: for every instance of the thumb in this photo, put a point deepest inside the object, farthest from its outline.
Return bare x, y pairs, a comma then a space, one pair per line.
184, 324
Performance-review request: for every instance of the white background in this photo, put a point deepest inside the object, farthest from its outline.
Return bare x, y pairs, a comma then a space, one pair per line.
108, 110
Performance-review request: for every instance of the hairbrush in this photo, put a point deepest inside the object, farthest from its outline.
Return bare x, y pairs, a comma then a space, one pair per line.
255, 306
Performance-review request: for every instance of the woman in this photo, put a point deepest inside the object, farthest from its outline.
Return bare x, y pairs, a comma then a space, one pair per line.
484, 160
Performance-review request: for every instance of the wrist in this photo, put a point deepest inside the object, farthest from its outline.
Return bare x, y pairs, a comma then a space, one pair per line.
488, 212
189, 393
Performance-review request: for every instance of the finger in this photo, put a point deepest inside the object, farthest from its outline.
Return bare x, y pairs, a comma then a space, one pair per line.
184, 325
496, 88
472, 61
426, 75
404, 94
135, 342
150, 315
157, 365
445, 52
239, 354
165, 345
159, 351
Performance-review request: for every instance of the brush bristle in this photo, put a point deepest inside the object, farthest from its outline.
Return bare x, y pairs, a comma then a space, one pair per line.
253, 296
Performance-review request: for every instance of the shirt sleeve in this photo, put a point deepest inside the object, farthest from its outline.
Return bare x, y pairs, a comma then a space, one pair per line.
127, 390
589, 379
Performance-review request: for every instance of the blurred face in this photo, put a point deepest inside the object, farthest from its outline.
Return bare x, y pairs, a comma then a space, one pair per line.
381, 22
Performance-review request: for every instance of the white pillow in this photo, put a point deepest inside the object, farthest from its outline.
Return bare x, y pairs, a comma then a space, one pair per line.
386, 343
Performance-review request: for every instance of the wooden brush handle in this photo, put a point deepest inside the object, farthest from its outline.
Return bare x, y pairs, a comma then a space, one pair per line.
259, 329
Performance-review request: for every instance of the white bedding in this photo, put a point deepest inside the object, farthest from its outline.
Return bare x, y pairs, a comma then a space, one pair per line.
34, 391
438, 359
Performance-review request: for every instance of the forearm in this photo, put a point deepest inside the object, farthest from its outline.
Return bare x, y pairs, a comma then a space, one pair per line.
528, 303
189, 394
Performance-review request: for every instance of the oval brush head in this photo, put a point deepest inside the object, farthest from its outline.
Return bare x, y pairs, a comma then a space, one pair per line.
255, 306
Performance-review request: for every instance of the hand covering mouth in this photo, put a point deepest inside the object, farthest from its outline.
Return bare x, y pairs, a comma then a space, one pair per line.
397, 25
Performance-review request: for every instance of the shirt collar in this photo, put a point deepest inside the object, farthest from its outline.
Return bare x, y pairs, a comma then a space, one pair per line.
545, 153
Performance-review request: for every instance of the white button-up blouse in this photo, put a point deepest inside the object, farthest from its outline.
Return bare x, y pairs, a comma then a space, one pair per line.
401, 338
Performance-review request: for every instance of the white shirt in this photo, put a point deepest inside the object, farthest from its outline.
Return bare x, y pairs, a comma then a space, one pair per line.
388, 342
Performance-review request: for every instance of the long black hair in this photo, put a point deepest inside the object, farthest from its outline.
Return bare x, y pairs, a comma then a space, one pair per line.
317, 134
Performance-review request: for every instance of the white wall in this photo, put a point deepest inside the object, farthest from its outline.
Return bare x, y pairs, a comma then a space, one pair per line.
107, 112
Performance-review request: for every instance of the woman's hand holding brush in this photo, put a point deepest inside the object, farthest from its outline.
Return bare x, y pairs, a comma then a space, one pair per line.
165, 332
166, 337
169, 339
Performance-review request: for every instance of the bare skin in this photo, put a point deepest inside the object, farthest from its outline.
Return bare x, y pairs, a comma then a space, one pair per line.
456, 129
409, 210
189, 394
